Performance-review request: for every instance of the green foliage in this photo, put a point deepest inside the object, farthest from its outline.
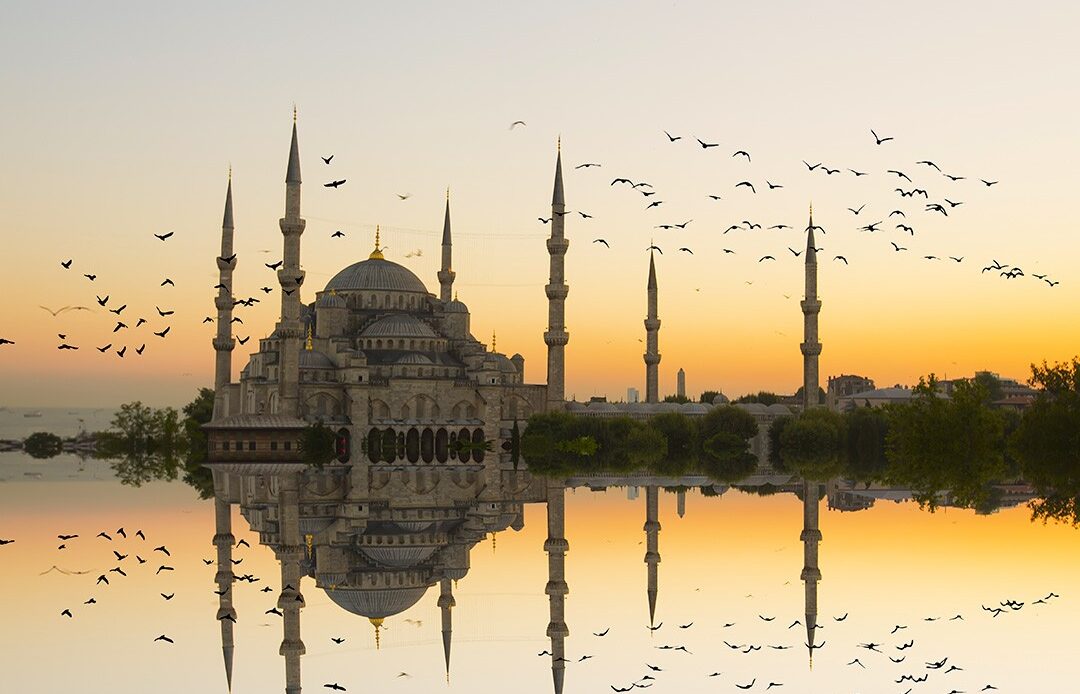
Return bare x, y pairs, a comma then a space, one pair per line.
708, 396
724, 434
762, 397
317, 445
776, 430
990, 384
811, 444
864, 447
676, 398
1047, 442
680, 432
42, 445
936, 444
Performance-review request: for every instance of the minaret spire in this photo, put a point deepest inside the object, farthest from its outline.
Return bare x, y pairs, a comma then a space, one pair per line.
290, 553
810, 576
556, 547
556, 335
652, 339
446, 603
811, 306
226, 614
446, 273
290, 277
223, 340
652, 546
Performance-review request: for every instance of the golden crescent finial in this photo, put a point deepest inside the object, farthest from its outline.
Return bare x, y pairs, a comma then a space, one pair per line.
294, 112
558, 144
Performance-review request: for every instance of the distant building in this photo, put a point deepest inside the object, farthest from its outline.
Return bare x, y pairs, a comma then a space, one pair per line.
633, 395
875, 398
680, 384
845, 385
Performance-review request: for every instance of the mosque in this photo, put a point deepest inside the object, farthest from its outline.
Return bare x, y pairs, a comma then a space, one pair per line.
385, 362
375, 542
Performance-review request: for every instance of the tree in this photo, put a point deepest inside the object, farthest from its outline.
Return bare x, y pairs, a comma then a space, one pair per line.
936, 444
708, 396
776, 431
810, 445
197, 413
1047, 441
43, 445
317, 445
680, 433
991, 384
676, 398
864, 444
724, 435
761, 397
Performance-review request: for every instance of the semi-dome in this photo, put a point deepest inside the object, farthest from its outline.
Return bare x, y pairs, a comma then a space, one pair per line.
376, 274
398, 325
312, 359
398, 557
376, 604
414, 358
330, 300
456, 306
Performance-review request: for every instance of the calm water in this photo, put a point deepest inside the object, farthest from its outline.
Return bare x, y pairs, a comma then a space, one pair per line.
729, 567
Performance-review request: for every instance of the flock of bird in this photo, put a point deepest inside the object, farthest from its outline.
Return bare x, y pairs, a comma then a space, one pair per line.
899, 215
894, 650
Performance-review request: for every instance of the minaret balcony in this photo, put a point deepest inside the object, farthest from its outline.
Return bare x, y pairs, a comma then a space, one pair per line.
810, 349
292, 227
652, 324
224, 344
556, 337
556, 544
226, 264
556, 291
810, 305
556, 588
810, 574
651, 359
223, 302
557, 246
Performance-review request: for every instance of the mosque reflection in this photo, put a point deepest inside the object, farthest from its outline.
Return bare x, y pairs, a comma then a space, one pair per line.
376, 538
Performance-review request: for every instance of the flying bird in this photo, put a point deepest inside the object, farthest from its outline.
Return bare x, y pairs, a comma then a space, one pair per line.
673, 138
67, 264
840, 257
164, 638
602, 241
706, 145
748, 184
164, 332
274, 266
742, 153
516, 123
168, 282
879, 140
326, 160
334, 184
164, 236
585, 166
900, 174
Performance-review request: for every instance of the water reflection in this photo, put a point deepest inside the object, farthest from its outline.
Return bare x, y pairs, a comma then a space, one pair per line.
375, 539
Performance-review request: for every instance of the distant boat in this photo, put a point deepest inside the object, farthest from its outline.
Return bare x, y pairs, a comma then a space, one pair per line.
32, 414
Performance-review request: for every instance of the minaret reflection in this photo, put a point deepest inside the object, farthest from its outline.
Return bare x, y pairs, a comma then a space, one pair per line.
556, 547
290, 553
810, 576
652, 545
446, 603
226, 614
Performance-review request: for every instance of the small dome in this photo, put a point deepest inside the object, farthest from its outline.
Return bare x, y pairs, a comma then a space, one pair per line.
378, 603
693, 408
778, 409
456, 306
311, 359
720, 399
504, 364
376, 274
455, 574
414, 358
330, 300
398, 325
753, 407
398, 557
601, 407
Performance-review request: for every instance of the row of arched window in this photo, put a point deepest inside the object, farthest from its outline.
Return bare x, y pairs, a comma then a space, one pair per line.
390, 445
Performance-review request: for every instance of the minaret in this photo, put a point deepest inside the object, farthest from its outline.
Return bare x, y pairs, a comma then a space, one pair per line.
223, 341
226, 614
290, 600
446, 603
680, 502
652, 337
652, 545
290, 277
556, 547
446, 274
680, 384
810, 576
811, 306
556, 335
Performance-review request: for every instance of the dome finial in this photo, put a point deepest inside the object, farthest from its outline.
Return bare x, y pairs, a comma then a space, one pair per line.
493, 349
308, 346
294, 112
377, 623
377, 253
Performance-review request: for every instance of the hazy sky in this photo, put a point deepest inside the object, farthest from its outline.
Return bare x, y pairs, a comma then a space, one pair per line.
120, 121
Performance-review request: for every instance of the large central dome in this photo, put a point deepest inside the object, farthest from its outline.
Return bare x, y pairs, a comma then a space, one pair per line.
376, 274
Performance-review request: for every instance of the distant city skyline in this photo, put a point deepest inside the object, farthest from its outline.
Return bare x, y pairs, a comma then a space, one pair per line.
407, 108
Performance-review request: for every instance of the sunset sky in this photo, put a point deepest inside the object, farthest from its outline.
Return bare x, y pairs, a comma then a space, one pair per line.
122, 121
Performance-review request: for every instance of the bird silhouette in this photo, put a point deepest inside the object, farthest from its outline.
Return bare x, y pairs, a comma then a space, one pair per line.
602, 241
857, 211
102, 302
67, 264
90, 277
742, 153
747, 184
163, 549
104, 349
164, 236
840, 257
586, 165
879, 140
274, 611
119, 326
989, 183
673, 138
655, 203
747, 686
327, 160
164, 638
809, 166
334, 184
766, 257
169, 282
687, 250
901, 174
164, 332
66, 613
516, 123
897, 247
773, 186
706, 145
274, 266
935, 207
335, 686
119, 310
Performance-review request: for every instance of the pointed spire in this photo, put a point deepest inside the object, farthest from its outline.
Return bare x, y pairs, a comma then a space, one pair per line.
227, 221
811, 250
446, 603
292, 175
377, 623
377, 253
652, 271
446, 221
557, 193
